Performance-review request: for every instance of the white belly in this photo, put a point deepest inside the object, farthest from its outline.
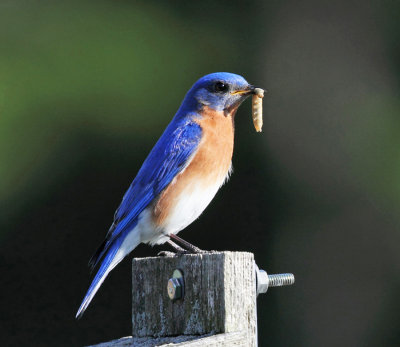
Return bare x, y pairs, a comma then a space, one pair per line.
190, 204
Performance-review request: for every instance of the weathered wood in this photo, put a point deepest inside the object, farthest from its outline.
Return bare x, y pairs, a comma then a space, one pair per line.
237, 339
220, 295
218, 307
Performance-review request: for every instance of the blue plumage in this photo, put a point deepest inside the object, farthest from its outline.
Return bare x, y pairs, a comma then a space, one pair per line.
102, 273
171, 154
164, 162
171, 151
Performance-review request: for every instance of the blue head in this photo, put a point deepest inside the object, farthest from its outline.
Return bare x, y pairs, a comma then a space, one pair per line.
221, 91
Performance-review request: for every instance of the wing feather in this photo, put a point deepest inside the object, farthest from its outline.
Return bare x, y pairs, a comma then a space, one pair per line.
170, 155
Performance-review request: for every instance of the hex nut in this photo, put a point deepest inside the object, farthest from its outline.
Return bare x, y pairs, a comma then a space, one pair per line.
264, 281
175, 286
174, 289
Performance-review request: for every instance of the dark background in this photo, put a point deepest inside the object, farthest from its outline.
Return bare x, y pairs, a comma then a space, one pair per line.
86, 89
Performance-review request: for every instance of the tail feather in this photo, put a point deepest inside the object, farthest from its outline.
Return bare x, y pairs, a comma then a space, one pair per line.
116, 252
94, 260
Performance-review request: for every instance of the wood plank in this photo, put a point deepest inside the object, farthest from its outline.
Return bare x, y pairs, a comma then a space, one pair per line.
220, 296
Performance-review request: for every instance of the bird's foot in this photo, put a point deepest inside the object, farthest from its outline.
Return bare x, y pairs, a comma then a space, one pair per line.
191, 249
174, 254
194, 250
166, 254
183, 252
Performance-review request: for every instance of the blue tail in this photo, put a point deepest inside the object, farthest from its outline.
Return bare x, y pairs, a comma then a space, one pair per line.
114, 255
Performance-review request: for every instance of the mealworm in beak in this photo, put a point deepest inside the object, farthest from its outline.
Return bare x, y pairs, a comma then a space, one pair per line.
257, 108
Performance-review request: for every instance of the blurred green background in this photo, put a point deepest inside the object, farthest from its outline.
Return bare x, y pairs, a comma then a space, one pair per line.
86, 89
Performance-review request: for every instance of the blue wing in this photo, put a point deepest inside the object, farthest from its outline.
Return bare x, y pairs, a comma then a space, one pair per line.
168, 157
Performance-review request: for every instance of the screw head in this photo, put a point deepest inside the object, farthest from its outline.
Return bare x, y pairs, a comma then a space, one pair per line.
175, 285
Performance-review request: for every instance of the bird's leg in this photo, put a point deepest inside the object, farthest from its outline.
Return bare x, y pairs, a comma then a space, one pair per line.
178, 250
176, 247
185, 244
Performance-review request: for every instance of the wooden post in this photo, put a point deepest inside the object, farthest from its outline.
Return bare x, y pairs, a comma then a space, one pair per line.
218, 307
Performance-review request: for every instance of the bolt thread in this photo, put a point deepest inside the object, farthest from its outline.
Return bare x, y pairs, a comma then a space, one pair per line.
280, 280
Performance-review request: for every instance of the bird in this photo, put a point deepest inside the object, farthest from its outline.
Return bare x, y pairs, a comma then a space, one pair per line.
183, 172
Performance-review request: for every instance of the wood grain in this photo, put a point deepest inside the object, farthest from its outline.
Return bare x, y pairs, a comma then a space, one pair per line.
218, 308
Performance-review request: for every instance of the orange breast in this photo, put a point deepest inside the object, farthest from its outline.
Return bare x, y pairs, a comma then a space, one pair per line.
209, 166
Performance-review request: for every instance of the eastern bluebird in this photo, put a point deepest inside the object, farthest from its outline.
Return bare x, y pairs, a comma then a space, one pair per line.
180, 177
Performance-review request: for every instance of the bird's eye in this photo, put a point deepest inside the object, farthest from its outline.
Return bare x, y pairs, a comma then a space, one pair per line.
221, 87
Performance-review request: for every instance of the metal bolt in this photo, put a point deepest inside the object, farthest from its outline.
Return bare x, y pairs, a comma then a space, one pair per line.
175, 286
264, 281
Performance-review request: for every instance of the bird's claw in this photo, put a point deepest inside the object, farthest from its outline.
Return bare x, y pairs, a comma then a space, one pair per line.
178, 253
166, 254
